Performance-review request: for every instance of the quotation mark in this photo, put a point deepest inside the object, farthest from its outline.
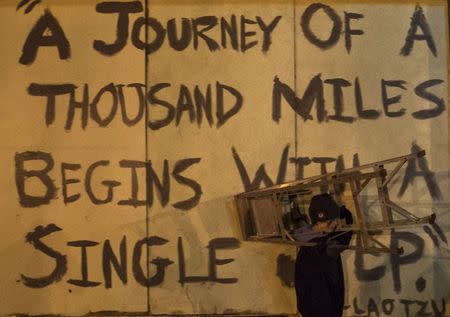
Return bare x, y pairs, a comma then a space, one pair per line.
29, 3
440, 233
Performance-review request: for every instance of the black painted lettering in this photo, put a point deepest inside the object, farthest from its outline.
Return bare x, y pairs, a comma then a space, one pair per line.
160, 263
220, 243
406, 303
286, 269
421, 284
84, 282
348, 16
356, 308
95, 115
398, 260
65, 182
38, 37
34, 238
261, 174
340, 166
364, 199
22, 174
123, 9
300, 163
372, 308
74, 104
110, 184
436, 311
50, 91
267, 30
203, 103
363, 274
152, 99
123, 108
231, 29
163, 187
184, 103
418, 20
244, 34
387, 102
208, 22
151, 24
133, 200
183, 278
422, 312
364, 114
110, 259
432, 236
303, 106
421, 91
338, 84
323, 161
222, 115
439, 232
305, 23
181, 42
419, 168
180, 167
387, 306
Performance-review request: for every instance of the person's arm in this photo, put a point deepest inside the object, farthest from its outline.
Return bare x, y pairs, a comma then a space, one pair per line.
306, 233
342, 240
348, 217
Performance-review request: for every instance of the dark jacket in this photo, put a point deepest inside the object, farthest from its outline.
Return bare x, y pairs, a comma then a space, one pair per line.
319, 278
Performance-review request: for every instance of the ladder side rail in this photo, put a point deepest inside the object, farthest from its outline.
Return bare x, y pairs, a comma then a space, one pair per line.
293, 188
383, 196
278, 214
393, 172
353, 169
360, 216
405, 213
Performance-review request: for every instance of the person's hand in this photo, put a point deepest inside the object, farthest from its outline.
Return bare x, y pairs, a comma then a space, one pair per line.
332, 225
326, 226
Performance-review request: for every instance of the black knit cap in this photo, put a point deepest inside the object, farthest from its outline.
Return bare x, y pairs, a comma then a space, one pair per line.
323, 208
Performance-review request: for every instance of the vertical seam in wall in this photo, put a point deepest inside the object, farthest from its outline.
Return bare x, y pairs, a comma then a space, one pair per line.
295, 89
147, 209
448, 72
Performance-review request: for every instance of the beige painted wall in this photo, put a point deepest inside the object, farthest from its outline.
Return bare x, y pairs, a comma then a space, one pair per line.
256, 141
205, 156
371, 61
23, 129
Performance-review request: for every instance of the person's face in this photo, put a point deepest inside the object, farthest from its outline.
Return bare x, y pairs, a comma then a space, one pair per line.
326, 226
